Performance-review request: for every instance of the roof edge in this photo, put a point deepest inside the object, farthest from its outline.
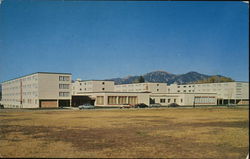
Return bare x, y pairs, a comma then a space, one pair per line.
35, 73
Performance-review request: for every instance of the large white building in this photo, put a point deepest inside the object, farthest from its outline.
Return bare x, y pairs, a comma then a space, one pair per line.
41, 89
184, 99
227, 92
148, 93
118, 98
142, 87
45, 89
81, 86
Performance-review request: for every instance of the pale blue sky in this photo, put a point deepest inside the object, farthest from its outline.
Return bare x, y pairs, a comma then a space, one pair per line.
100, 39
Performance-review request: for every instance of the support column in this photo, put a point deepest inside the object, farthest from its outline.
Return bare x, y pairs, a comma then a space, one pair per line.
105, 100
116, 99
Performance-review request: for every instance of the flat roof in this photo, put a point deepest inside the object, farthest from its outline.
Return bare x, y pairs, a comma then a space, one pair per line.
180, 93
212, 83
113, 92
144, 83
93, 80
36, 73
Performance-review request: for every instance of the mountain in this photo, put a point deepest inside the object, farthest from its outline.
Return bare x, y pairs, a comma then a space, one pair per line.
188, 78
164, 77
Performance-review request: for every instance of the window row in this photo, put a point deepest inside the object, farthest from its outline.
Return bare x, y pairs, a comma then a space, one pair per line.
122, 100
18, 87
64, 78
205, 100
18, 94
163, 100
63, 86
23, 79
24, 101
64, 94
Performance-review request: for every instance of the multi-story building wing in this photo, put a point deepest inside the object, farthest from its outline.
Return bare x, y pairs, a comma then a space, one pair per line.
118, 98
142, 87
45, 89
80, 86
184, 99
227, 92
41, 89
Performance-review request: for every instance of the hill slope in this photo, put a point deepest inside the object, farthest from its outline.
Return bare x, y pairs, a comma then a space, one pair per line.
164, 77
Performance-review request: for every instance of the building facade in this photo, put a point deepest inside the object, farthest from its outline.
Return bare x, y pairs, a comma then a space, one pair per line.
118, 98
184, 99
142, 87
227, 92
80, 86
46, 89
41, 89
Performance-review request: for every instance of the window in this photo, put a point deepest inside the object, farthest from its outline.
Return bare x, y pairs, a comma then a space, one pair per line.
103, 89
132, 100
157, 84
100, 100
162, 100
80, 83
184, 91
112, 99
63, 86
103, 82
178, 91
122, 100
184, 86
169, 100
178, 87
174, 100
157, 90
63, 78
63, 94
80, 89
181, 100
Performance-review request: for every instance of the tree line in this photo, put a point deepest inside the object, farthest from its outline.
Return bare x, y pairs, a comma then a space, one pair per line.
214, 79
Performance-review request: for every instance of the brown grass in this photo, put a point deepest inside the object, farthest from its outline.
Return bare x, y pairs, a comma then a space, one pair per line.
131, 133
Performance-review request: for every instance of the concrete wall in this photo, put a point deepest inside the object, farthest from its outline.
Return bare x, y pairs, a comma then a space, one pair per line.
141, 97
21, 92
79, 87
185, 99
226, 90
26, 91
142, 87
49, 86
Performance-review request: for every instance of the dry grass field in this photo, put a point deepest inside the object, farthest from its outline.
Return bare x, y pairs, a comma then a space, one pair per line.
130, 133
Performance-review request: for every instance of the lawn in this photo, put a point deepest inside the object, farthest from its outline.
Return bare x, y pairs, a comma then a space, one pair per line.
126, 133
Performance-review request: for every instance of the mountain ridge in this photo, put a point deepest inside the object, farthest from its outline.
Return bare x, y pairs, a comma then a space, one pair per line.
164, 77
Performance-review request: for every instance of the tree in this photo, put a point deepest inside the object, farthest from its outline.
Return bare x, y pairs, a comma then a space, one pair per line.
214, 79
140, 79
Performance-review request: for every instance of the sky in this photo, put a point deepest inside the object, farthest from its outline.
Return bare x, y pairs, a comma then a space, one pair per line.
108, 39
